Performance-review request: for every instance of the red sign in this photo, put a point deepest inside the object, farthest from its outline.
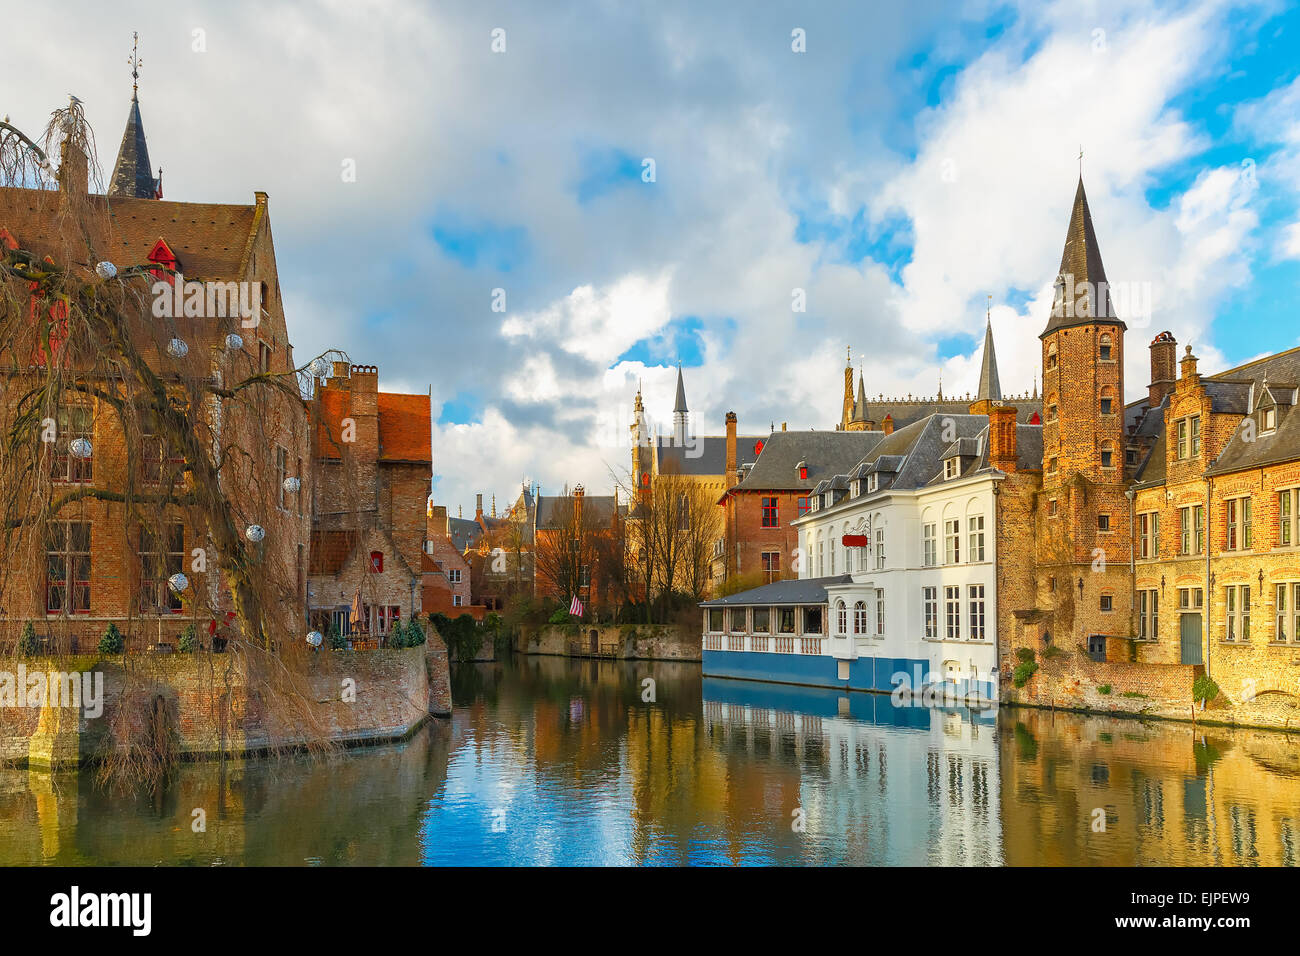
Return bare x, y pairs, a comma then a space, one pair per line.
854, 541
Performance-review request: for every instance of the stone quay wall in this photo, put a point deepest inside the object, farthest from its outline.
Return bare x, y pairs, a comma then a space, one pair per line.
621, 642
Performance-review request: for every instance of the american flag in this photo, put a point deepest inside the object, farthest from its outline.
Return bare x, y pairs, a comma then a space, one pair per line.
576, 607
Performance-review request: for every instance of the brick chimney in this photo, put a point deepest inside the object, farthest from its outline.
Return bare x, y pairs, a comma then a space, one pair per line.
74, 171
478, 507
1002, 438
887, 426
578, 494
731, 449
339, 375
1164, 356
436, 526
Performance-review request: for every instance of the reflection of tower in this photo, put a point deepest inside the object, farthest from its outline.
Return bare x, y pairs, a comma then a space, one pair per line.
680, 413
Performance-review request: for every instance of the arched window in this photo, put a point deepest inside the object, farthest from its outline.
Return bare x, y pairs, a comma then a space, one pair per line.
841, 618
860, 618
1107, 400
1051, 356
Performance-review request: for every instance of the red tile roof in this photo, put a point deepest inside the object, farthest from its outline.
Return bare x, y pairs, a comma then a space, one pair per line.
405, 422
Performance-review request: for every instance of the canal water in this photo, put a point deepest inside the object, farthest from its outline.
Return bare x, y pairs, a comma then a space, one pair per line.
557, 761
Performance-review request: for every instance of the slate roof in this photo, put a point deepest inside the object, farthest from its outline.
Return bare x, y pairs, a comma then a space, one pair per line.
826, 454
706, 455
908, 411
1081, 258
405, 422
464, 533
793, 591
132, 174
990, 385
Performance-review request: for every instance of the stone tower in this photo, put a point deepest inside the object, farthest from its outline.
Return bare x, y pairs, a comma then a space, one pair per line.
858, 421
846, 415
1086, 511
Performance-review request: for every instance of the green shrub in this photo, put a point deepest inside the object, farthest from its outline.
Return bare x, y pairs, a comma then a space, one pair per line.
1204, 688
1025, 655
334, 640
1103, 688
397, 637
1023, 671
27, 640
560, 617
188, 639
112, 641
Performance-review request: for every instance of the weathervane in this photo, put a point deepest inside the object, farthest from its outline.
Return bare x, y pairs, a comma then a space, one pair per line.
135, 62
1080, 160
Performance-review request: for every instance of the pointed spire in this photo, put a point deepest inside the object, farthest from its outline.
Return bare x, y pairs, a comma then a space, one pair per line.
132, 174
990, 386
860, 408
1082, 292
680, 404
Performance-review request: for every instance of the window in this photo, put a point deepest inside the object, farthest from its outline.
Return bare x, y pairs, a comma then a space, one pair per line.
1107, 401
161, 556
1191, 529
1190, 599
855, 489
1268, 420
387, 618
860, 617
715, 620
976, 594
376, 562
785, 620
156, 464
67, 567
930, 611
772, 566
1051, 356
975, 552
1103, 522
1181, 429
73, 422
1051, 505
803, 505
803, 472
1148, 614
929, 545
1104, 349
453, 575
880, 549
762, 620
952, 612
952, 541
1288, 517
951, 468
873, 482
1236, 612
1288, 612
455, 600
738, 619
1107, 455
841, 618
281, 473
1149, 534
1196, 435
1238, 534
263, 357
880, 612
1107, 602
1051, 407
821, 558
1053, 463
769, 513
812, 620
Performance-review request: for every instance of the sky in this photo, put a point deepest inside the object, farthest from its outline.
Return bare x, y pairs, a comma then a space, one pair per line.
530, 209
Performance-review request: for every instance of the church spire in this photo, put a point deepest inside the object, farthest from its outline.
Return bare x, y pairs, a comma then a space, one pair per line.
990, 386
132, 175
680, 416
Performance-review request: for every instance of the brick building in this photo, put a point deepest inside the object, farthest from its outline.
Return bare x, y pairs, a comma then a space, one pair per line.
579, 539
446, 571
372, 474
104, 557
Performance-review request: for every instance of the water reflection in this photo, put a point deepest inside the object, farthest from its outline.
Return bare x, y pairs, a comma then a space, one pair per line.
549, 760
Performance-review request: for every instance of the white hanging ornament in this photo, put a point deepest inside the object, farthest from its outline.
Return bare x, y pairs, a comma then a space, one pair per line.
178, 582
255, 533
315, 638
105, 270
318, 367
177, 348
81, 448
292, 484
234, 342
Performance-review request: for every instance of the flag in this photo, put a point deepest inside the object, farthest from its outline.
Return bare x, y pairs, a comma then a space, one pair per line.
576, 607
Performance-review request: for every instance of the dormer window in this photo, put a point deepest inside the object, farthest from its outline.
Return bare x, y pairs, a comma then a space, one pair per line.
855, 488
951, 468
803, 471
1268, 420
873, 482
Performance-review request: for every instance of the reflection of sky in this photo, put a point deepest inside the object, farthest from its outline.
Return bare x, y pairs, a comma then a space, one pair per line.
498, 807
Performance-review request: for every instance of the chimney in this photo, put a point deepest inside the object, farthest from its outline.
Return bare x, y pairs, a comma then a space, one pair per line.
887, 426
437, 524
1002, 438
74, 171
578, 494
339, 375
1189, 367
478, 507
731, 449
1164, 355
